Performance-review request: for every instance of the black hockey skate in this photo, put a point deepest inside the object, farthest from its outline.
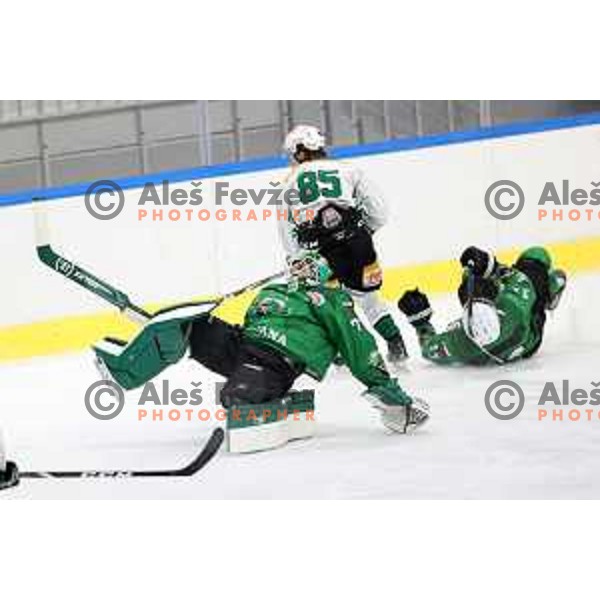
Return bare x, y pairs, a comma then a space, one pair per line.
397, 353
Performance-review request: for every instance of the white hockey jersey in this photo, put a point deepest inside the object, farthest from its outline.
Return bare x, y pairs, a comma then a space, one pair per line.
325, 181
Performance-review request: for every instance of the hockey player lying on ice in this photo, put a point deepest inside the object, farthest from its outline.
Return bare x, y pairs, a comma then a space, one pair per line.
504, 309
292, 328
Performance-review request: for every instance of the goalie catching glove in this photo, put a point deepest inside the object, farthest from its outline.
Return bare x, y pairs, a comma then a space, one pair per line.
400, 412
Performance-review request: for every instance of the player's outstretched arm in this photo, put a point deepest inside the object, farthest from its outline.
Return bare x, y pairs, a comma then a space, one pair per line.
352, 340
400, 412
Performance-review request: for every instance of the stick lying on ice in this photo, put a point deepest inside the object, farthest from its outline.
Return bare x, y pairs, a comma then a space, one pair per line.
11, 476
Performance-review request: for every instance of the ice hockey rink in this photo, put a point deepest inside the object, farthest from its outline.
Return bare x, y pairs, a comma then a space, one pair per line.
462, 453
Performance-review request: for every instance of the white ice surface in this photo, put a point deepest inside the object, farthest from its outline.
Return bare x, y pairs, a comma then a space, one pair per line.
462, 453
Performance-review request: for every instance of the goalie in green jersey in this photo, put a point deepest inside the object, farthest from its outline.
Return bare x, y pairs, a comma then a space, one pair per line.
292, 328
504, 309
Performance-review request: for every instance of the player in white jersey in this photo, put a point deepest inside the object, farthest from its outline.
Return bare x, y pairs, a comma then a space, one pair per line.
337, 212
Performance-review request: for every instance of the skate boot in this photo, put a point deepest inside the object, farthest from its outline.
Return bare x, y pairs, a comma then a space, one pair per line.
397, 353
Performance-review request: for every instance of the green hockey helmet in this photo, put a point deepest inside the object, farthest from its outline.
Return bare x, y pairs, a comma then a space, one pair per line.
549, 283
539, 254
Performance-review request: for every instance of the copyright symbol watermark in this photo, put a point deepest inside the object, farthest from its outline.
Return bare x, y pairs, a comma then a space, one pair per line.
104, 399
504, 399
504, 199
100, 199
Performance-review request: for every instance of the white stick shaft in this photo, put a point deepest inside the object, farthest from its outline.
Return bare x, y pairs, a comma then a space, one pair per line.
42, 231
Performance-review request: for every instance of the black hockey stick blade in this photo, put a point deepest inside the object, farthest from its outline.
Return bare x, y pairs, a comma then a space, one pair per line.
208, 452
210, 449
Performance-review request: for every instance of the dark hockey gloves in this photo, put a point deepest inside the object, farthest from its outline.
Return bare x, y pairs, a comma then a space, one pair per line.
478, 281
332, 225
415, 305
9, 477
480, 262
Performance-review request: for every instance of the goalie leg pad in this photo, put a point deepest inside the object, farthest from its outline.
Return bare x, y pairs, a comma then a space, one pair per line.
268, 425
163, 341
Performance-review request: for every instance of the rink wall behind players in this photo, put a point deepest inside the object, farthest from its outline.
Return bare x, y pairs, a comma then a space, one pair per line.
435, 188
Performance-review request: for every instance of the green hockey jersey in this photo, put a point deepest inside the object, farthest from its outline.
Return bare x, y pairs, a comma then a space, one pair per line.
520, 334
311, 327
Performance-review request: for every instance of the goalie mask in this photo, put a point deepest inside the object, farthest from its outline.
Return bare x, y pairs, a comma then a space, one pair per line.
308, 269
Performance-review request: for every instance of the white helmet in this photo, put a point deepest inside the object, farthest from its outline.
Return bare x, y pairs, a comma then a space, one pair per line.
307, 135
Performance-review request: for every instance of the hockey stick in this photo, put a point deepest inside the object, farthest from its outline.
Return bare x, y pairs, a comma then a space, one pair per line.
249, 287
207, 453
90, 282
101, 288
77, 274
